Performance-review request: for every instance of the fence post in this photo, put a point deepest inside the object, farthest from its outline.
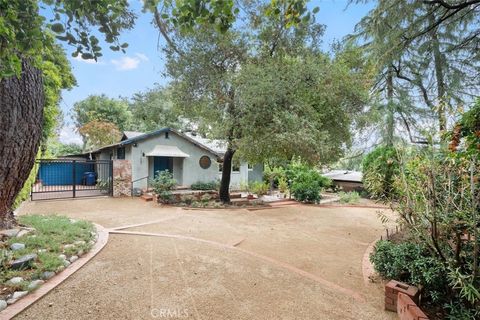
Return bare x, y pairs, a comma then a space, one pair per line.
74, 177
111, 178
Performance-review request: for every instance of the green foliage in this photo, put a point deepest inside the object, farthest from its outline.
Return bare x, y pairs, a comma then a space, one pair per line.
283, 184
349, 197
305, 182
163, 184
411, 263
25, 33
379, 170
57, 149
97, 134
213, 185
259, 188
272, 174
152, 110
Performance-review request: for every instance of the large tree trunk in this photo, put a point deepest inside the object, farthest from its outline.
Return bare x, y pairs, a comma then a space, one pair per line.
21, 119
226, 174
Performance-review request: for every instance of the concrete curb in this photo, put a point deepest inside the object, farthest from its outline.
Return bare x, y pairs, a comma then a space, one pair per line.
14, 309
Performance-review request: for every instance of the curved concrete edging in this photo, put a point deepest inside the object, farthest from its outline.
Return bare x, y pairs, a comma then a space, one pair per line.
333, 286
14, 309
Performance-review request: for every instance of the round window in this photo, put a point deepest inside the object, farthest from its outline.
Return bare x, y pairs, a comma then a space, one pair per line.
205, 162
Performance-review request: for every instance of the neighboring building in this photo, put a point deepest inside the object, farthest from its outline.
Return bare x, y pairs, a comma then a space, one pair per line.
189, 157
347, 180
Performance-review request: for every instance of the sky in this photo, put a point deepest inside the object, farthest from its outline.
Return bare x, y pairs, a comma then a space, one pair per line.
117, 74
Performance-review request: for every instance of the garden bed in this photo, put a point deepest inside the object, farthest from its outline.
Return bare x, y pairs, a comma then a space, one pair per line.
39, 248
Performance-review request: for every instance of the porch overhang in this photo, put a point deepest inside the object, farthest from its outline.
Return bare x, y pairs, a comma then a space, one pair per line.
167, 151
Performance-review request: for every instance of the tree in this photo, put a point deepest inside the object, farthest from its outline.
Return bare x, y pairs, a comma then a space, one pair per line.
427, 60
98, 134
263, 87
152, 110
24, 39
100, 109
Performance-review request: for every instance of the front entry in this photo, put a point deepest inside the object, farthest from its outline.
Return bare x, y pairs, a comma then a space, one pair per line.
161, 164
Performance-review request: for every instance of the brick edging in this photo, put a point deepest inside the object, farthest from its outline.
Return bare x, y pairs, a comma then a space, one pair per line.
22, 304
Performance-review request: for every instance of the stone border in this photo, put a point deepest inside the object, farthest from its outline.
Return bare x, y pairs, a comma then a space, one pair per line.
14, 309
367, 267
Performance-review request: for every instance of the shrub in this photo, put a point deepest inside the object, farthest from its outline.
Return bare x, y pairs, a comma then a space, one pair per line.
411, 263
282, 185
162, 185
349, 197
307, 185
259, 188
379, 170
272, 175
212, 185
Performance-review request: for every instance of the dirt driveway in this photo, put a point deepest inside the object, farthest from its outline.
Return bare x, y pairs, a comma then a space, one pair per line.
297, 262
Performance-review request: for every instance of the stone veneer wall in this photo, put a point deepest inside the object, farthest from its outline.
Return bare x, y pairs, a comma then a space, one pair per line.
122, 178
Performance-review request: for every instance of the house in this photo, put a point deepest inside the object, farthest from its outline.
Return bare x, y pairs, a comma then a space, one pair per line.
347, 180
188, 156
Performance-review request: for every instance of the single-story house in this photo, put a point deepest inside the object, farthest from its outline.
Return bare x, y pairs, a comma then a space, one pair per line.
188, 156
347, 180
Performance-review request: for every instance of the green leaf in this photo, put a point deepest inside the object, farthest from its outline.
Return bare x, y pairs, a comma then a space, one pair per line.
57, 28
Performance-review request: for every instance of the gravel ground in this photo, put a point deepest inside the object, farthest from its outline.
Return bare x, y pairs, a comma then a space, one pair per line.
144, 277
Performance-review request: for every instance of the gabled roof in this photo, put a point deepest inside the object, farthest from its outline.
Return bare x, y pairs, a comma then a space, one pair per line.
143, 136
131, 134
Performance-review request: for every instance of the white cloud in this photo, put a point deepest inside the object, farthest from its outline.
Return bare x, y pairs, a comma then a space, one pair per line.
126, 63
68, 134
88, 61
142, 56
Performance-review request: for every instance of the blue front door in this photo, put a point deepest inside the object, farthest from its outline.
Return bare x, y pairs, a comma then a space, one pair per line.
161, 164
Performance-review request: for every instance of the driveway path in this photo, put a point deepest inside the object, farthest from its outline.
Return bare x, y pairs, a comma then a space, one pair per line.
297, 262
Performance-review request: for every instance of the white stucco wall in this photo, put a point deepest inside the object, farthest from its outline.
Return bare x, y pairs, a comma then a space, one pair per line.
186, 174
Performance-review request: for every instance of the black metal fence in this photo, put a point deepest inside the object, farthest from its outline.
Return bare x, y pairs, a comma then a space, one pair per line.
65, 178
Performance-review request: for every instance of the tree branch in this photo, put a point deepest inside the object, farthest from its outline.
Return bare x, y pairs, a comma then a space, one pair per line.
163, 30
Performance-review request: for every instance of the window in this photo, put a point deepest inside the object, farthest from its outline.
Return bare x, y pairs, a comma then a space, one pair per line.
121, 153
205, 162
250, 166
166, 135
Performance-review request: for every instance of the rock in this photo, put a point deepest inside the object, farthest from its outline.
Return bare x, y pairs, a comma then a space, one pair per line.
3, 304
41, 250
66, 263
62, 257
60, 269
25, 231
47, 275
67, 246
17, 246
73, 259
35, 284
79, 242
17, 295
10, 233
15, 280
23, 262
80, 253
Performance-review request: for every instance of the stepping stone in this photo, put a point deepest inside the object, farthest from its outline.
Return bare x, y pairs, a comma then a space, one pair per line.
17, 246
23, 262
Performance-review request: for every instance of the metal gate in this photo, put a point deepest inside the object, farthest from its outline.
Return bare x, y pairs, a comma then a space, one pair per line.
65, 178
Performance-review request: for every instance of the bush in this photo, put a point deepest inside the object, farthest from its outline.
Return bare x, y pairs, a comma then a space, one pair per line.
349, 197
307, 185
259, 188
379, 170
212, 185
162, 185
410, 263
282, 185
